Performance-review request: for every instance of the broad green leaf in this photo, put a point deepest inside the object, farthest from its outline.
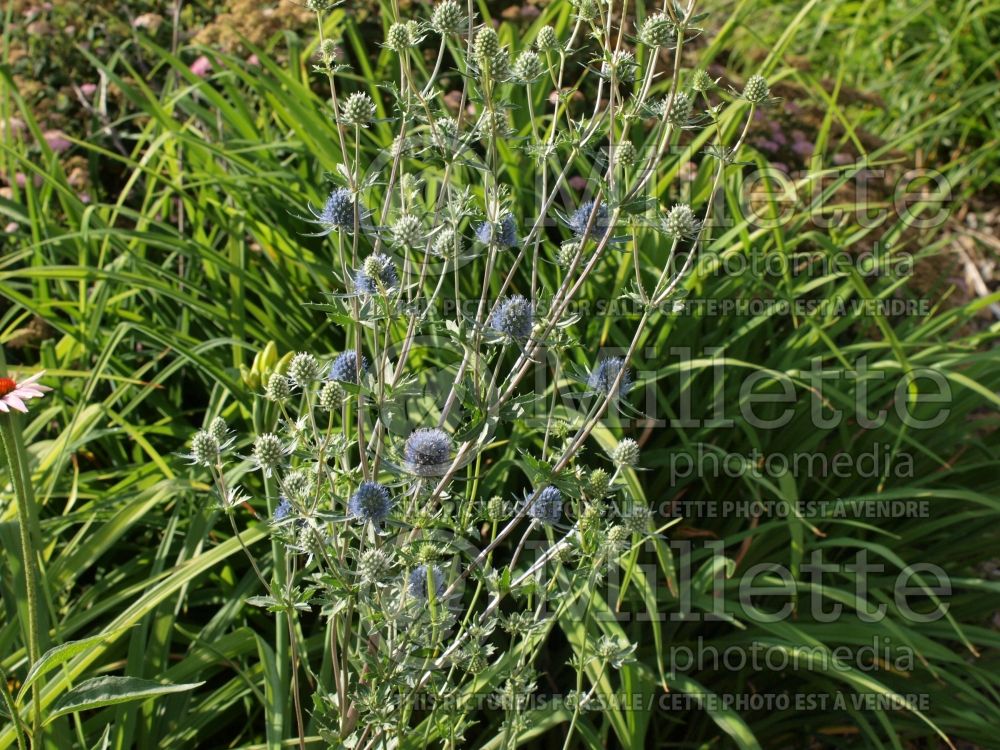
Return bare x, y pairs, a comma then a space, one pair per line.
62, 653
108, 691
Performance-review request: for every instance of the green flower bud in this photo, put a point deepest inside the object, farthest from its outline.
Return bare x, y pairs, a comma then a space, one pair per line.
297, 484
637, 521
374, 564
331, 395
358, 110
598, 484
447, 17
406, 232
622, 64
218, 429
445, 134
619, 538
398, 38
565, 254
586, 10
680, 222
625, 154
328, 51
268, 452
626, 453
657, 31
496, 509
278, 388
204, 449
547, 40
701, 81
590, 519
485, 46
529, 67
448, 243
680, 110
303, 369
500, 64
560, 428
756, 90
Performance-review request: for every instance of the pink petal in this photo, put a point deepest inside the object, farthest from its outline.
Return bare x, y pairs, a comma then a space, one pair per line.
15, 402
3, 405
57, 141
201, 66
32, 379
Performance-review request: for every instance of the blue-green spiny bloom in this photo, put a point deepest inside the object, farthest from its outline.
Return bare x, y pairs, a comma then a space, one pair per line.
581, 218
547, 506
283, 511
603, 376
417, 583
503, 232
338, 211
370, 503
345, 367
514, 317
427, 451
376, 266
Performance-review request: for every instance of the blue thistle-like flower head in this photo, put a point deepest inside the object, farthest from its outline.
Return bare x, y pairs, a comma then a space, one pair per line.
503, 232
602, 378
338, 212
581, 217
378, 266
513, 317
283, 510
427, 451
417, 582
370, 503
345, 367
547, 506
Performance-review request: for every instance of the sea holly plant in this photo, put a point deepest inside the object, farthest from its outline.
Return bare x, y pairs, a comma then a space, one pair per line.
437, 576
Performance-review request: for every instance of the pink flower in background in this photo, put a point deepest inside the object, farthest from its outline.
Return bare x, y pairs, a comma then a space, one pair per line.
13, 127
13, 394
688, 171
151, 21
802, 148
88, 89
253, 60
201, 66
21, 179
57, 141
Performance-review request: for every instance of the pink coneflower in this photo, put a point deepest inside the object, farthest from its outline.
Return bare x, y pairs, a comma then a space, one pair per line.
201, 66
57, 141
13, 394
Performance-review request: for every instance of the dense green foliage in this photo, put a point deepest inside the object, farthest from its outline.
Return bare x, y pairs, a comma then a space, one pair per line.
148, 302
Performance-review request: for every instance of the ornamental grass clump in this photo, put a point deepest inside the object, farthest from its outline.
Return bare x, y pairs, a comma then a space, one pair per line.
388, 475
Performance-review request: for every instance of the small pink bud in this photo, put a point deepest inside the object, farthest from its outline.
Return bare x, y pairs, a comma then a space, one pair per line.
57, 141
201, 66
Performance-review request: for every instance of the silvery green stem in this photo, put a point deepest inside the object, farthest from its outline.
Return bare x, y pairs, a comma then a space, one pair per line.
11, 707
26, 522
